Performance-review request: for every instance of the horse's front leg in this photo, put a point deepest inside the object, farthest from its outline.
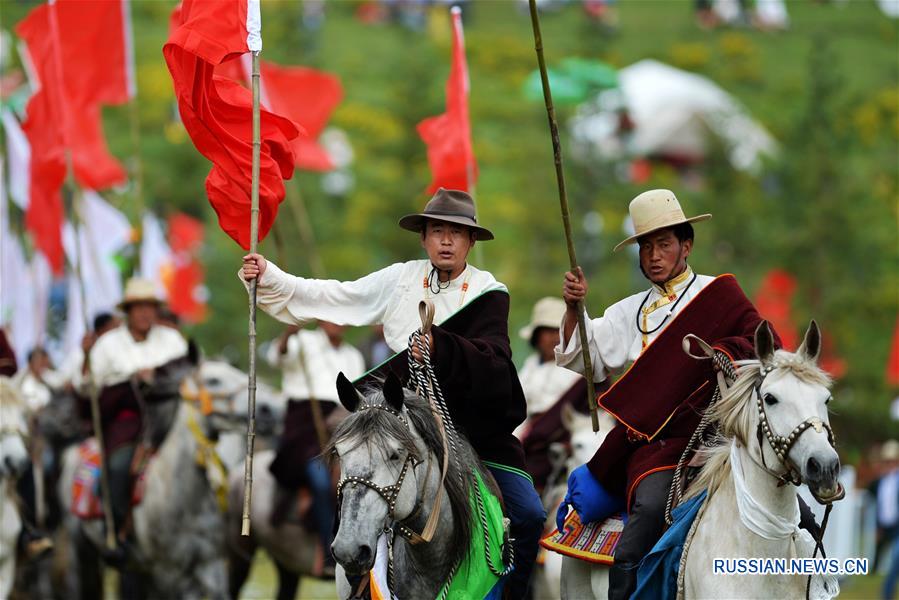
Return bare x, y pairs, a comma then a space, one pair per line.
577, 579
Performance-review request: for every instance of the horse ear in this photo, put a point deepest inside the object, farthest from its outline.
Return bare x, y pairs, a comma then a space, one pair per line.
764, 342
393, 391
811, 345
347, 393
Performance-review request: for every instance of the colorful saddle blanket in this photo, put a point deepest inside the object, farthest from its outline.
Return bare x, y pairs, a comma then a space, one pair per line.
86, 503
593, 542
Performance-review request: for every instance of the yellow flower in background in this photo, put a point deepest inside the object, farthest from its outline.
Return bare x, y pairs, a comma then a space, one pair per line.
368, 121
736, 45
689, 56
175, 133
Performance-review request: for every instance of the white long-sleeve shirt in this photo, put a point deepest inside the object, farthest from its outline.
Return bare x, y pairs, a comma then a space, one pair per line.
389, 296
614, 339
117, 355
311, 356
37, 391
544, 383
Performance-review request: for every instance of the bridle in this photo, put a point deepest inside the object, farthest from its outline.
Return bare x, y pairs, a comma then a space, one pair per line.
781, 445
390, 493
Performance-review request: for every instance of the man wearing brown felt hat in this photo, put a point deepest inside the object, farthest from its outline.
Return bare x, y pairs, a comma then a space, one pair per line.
469, 343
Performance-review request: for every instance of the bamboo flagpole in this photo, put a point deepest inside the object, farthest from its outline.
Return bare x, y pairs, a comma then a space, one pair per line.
254, 242
136, 166
563, 201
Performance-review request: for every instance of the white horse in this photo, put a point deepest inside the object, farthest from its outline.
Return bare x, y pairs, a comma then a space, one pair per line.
179, 526
583, 445
775, 430
14, 460
226, 387
774, 422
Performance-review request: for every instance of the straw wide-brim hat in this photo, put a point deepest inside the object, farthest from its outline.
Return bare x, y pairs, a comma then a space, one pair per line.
139, 290
889, 450
453, 206
548, 312
654, 210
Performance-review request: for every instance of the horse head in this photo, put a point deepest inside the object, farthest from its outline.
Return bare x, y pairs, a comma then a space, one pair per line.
14, 457
791, 397
378, 449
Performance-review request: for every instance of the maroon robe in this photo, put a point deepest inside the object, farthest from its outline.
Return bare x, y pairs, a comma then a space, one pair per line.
8, 364
660, 399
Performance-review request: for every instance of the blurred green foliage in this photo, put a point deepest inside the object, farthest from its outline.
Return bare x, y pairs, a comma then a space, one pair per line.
825, 209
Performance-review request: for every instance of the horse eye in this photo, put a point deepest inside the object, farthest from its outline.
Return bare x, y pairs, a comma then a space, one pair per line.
829, 398
394, 455
770, 400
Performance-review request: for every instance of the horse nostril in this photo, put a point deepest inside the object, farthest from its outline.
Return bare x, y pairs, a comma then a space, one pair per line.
363, 556
813, 467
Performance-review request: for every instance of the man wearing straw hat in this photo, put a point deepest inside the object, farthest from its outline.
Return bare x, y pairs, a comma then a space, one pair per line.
310, 361
469, 343
658, 401
129, 351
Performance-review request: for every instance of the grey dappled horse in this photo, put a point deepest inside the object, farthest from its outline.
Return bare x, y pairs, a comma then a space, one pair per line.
392, 442
179, 527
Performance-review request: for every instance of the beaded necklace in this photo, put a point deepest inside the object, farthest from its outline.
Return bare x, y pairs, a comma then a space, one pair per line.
428, 288
645, 312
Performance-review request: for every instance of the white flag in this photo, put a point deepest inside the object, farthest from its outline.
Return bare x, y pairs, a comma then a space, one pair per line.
19, 152
156, 259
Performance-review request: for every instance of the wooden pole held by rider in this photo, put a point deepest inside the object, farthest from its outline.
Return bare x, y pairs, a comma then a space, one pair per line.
254, 241
563, 201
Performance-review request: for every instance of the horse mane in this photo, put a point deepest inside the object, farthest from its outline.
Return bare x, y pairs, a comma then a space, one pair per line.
734, 415
375, 427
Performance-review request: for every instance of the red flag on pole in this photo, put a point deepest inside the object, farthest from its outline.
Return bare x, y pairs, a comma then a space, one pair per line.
892, 372
186, 291
217, 113
774, 302
308, 97
80, 57
448, 136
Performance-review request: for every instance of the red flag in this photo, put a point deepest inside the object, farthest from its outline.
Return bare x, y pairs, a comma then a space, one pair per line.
448, 136
892, 372
94, 39
80, 54
217, 113
308, 97
774, 302
186, 290
47, 172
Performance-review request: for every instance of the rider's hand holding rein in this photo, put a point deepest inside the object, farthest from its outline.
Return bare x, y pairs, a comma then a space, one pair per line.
253, 266
416, 351
573, 291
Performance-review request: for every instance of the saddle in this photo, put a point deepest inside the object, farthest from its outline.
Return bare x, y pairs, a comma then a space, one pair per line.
86, 502
592, 542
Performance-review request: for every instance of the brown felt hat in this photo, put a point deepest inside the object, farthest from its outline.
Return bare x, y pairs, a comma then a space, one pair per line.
453, 206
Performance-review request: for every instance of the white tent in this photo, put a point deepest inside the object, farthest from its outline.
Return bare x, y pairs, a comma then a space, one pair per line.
673, 113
